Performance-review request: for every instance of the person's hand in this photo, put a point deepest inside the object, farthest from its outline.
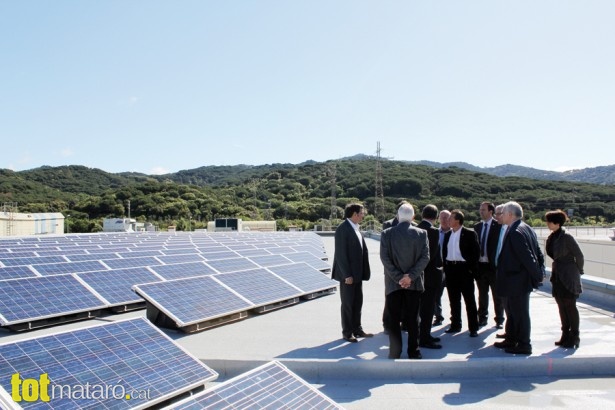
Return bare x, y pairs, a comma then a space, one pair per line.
405, 282
348, 280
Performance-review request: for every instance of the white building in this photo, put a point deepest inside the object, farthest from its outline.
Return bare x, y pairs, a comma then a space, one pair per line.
20, 224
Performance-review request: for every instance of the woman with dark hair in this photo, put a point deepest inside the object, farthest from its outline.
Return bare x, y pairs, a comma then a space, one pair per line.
566, 272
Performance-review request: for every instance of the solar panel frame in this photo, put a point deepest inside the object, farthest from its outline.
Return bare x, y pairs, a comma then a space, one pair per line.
269, 386
30, 299
48, 269
115, 286
305, 277
16, 272
130, 353
231, 265
259, 286
183, 270
184, 301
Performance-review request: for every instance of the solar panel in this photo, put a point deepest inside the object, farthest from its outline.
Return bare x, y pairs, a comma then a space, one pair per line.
131, 262
304, 277
259, 286
183, 270
31, 261
308, 258
219, 255
192, 300
68, 267
15, 272
270, 260
93, 257
115, 286
270, 386
30, 299
125, 364
168, 259
232, 265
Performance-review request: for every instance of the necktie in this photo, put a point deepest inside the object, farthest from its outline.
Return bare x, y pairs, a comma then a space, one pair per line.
483, 240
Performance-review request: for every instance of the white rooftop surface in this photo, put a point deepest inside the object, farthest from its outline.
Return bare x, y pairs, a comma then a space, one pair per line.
467, 371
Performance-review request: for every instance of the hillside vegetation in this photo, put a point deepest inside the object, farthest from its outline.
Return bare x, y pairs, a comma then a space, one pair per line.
291, 194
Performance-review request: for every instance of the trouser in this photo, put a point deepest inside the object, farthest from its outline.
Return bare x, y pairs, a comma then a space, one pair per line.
518, 314
485, 281
352, 303
428, 303
460, 283
569, 315
407, 301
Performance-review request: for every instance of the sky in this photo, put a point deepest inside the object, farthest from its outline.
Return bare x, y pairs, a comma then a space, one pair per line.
161, 86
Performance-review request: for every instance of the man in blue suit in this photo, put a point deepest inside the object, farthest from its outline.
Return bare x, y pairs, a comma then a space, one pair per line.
519, 269
350, 269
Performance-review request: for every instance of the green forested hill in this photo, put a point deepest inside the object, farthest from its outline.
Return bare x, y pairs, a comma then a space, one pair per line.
291, 194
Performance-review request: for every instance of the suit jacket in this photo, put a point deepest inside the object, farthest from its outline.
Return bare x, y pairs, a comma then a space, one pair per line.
433, 270
350, 258
404, 249
568, 260
521, 261
468, 245
492, 239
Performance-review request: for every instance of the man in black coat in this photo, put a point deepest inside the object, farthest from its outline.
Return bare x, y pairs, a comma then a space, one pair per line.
519, 268
488, 230
350, 269
433, 277
460, 252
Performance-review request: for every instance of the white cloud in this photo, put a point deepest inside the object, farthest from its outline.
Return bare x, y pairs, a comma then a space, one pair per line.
158, 171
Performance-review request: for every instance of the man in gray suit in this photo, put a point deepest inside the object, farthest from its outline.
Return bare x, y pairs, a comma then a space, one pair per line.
350, 269
404, 252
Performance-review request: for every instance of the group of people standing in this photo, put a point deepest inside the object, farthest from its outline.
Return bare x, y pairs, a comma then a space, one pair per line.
501, 255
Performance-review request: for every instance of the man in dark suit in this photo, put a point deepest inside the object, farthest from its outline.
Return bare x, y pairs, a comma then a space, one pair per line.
488, 231
433, 277
518, 266
350, 269
460, 252
404, 252
444, 227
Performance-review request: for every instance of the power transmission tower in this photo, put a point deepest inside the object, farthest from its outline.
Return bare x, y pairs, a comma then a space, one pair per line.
332, 169
379, 198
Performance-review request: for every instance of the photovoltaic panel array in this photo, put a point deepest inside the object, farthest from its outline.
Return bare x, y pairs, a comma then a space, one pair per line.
299, 275
103, 268
259, 286
270, 386
132, 361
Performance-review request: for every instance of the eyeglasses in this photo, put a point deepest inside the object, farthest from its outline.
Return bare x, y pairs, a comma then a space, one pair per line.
499, 213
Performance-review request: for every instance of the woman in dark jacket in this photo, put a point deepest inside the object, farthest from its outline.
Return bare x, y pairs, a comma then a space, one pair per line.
566, 272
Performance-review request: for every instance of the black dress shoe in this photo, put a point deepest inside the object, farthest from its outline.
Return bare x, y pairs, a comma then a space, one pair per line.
500, 336
474, 334
350, 339
436, 323
415, 355
431, 345
361, 333
452, 330
434, 339
482, 323
498, 326
518, 350
504, 344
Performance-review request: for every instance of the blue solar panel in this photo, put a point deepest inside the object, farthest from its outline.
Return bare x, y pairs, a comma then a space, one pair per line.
131, 262
168, 259
31, 261
219, 255
15, 272
183, 270
304, 277
68, 267
270, 386
270, 260
308, 258
232, 265
116, 285
25, 300
134, 362
92, 257
192, 300
259, 286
